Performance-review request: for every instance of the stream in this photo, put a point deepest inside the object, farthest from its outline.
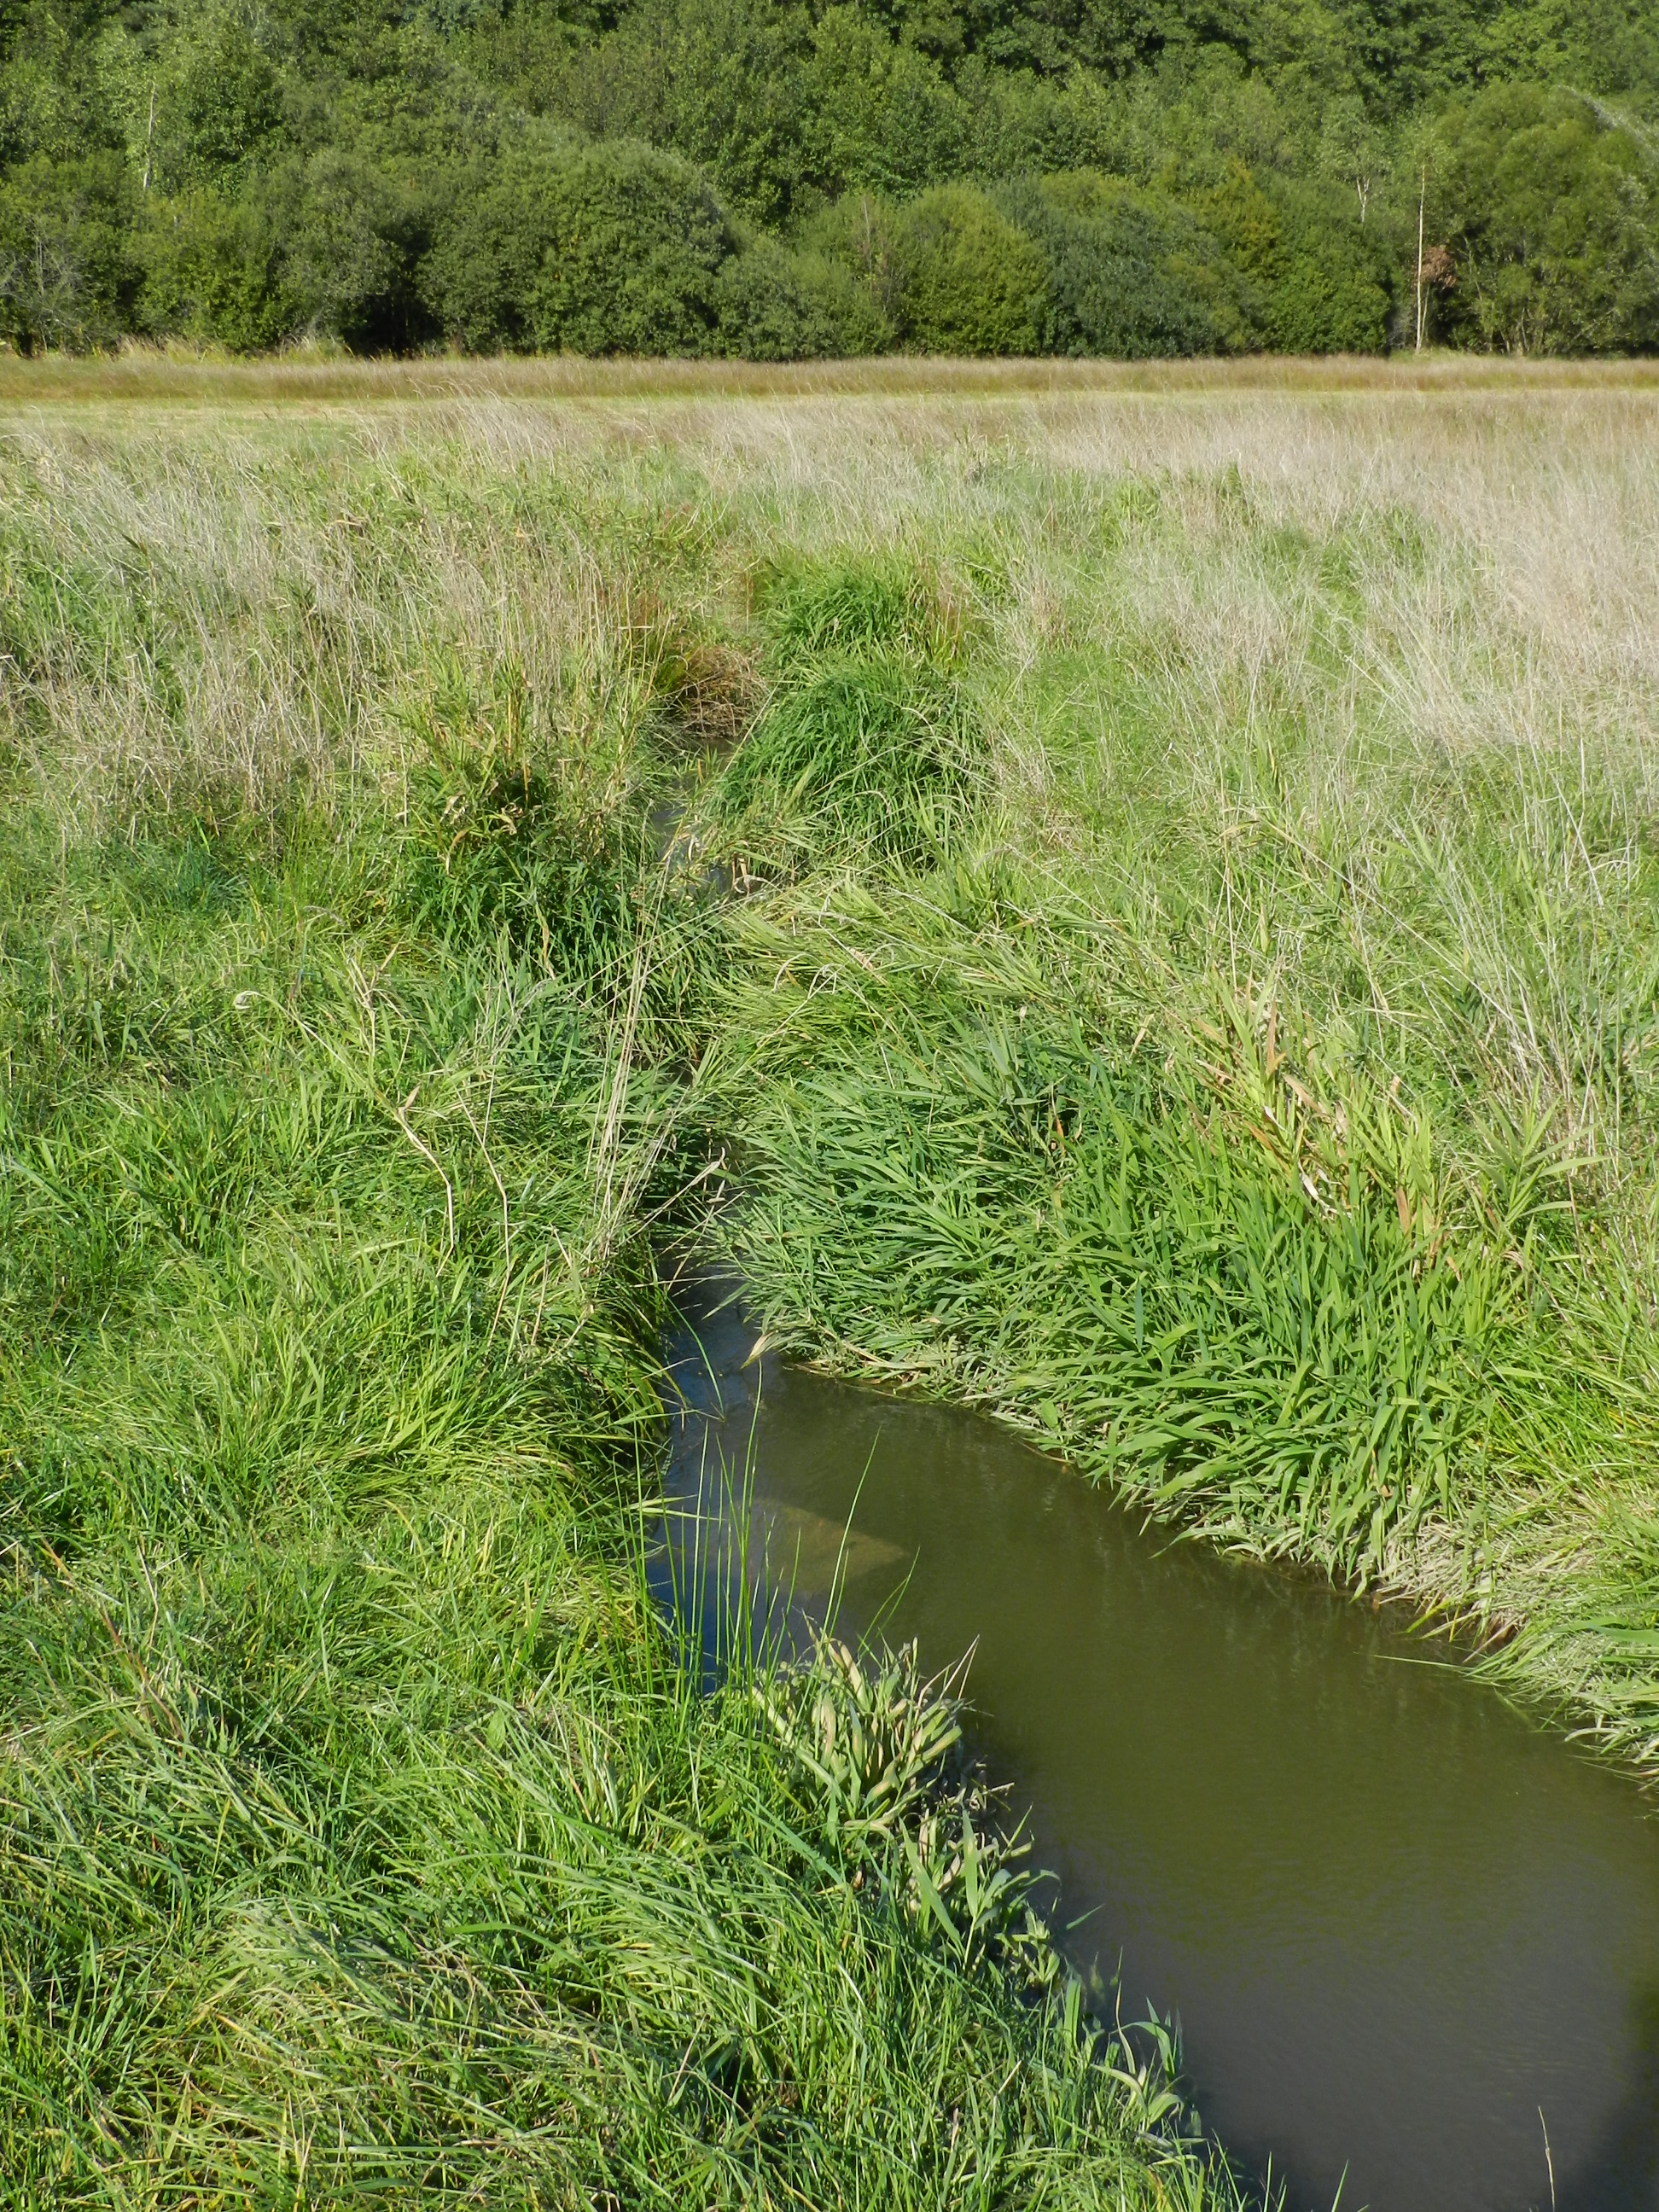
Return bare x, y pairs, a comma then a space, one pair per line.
1410, 1937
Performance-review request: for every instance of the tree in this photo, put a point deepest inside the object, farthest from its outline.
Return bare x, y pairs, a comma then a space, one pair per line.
1546, 203
613, 248
1125, 268
972, 282
349, 262
877, 117
783, 176
68, 273
217, 102
717, 81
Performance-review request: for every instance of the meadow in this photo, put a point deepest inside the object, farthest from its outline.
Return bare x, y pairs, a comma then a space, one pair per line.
1124, 899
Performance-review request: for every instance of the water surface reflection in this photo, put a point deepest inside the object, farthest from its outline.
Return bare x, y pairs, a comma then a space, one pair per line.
1397, 1921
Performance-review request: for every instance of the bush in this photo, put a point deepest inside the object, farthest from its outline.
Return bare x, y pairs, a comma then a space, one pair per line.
212, 269
350, 256
1329, 289
1550, 215
1123, 268
329, 246
1309, 276
637, 238
775, 305
68, 273
972, 282
861, 234
488, 242
611, 248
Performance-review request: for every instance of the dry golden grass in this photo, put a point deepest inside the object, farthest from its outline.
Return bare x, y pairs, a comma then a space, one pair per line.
168, 374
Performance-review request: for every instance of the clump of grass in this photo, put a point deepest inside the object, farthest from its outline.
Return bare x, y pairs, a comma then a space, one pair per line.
851, 608
1284, 1346
518, 834
873, 1745
867, 747
871, 759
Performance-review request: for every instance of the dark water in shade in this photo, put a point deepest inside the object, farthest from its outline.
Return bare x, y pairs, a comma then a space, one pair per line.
1395, 1919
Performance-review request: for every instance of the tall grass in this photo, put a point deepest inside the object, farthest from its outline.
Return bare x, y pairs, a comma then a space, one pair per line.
1257, 1102
864, 751
365, 1837
1134, 907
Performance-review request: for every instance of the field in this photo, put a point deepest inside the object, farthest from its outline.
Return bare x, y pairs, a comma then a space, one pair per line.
1129, 899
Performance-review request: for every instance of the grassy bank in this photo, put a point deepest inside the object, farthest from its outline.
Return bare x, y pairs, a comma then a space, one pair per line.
363, 1837
1242, 1076
1156, 935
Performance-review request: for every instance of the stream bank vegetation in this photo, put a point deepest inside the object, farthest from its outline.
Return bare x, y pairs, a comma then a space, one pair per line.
1136, 913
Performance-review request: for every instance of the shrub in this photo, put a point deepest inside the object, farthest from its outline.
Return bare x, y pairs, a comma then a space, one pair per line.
212, 267
68, 273
330, 246
1329, 291
488, 239
610, 248
1122, 268
862, 235
637, 239
772, 305
972, 282
350, 260
1309, 276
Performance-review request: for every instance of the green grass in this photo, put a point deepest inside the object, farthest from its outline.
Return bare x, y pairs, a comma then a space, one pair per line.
366, 1837
865, 751
1143, 920
1256, 1100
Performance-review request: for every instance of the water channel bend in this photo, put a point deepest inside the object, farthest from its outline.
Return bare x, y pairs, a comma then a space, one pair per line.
1406, 1931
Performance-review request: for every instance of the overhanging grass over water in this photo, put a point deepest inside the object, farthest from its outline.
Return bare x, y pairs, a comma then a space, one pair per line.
1172, 956
1244, 1302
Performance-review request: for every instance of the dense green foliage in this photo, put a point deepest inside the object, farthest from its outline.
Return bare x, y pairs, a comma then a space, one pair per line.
765, 179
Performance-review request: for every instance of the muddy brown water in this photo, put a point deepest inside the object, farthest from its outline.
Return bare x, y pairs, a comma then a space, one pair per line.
1409, 1934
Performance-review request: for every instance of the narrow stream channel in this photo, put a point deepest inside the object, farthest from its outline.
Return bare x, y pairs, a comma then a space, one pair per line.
1406, 1932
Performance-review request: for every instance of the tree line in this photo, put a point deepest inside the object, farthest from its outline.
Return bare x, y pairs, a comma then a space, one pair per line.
774, 180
